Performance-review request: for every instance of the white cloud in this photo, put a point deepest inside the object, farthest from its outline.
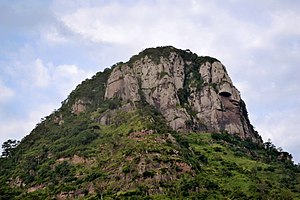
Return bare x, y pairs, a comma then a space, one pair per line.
39, 88
40, 74
283, 24
280, 127
139, 23
17, 127
37, 75
54, 36
67, 70
196, 24
286, 22
67, 77
6, 93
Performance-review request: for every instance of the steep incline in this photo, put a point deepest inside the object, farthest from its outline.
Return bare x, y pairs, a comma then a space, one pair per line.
167, 124
192, 92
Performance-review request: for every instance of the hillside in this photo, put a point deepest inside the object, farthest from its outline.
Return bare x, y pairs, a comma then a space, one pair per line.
167, 124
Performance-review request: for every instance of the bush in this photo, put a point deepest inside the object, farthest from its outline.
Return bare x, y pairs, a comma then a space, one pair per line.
270, 169
85, 137
210, 185
239, 153
218, 149
64, 169
148, 174
126, 169
94, 176
203, 158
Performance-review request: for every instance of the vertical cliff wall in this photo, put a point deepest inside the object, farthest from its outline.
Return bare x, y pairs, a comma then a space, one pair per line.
192, 92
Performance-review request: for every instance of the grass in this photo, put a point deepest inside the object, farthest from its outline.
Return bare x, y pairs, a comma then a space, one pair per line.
122, 165
121, 160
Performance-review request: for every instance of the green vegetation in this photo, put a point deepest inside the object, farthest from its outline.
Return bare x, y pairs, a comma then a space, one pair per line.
92, 90
8, 148
155, 54
162, 74
138, 156
135, 155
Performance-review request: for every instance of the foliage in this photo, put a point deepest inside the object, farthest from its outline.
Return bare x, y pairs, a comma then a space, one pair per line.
8, 147
136, 155
91, 90
214, 172
154, 53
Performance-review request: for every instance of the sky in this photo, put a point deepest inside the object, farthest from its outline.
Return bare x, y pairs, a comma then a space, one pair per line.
48, 47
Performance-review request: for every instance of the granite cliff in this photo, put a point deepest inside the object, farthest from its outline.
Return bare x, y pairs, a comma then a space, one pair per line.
191, 92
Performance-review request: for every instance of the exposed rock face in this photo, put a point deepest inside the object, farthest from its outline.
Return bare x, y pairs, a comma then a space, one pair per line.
80, 106
157, 83
189, 94
218, 103
58, 120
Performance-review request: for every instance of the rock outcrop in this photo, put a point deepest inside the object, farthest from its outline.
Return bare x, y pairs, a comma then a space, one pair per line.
218, 102
80, 106
157, 84
191, 92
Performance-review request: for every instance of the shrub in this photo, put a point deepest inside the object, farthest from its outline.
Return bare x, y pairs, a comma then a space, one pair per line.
94, 176
126, 169
64, 169
203, 158
218, 149
148, 174
239, 153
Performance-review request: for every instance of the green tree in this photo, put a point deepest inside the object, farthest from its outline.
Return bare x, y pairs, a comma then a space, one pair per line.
8, 147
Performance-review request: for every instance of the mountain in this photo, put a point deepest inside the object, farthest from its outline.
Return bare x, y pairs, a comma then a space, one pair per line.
167, 124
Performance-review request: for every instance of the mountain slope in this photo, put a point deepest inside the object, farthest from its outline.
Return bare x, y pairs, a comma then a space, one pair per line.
167, 124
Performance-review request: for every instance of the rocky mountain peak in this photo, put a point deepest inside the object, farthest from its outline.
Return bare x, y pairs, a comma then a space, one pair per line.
191, 92
154, 127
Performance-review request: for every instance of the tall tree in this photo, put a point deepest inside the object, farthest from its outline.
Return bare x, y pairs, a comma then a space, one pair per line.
8, 147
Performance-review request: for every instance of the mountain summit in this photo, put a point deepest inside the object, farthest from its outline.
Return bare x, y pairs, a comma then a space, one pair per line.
191, 92
167, 124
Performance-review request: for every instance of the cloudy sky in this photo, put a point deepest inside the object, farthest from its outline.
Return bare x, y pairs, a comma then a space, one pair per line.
48, 47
